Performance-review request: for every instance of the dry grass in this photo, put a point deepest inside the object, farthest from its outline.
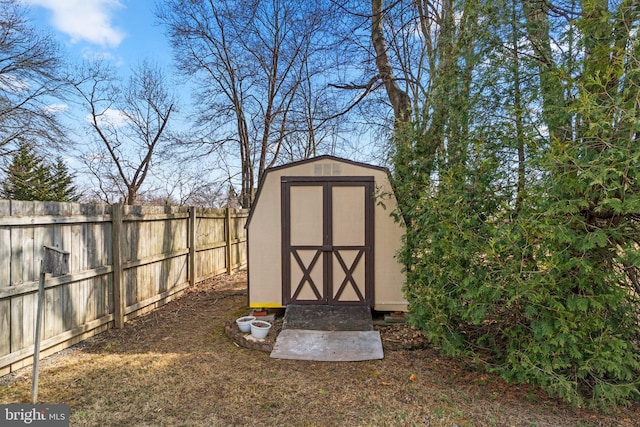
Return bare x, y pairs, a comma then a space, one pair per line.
176, 367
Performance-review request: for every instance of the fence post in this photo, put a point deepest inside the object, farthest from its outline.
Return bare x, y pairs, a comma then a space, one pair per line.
227, 237
119, 296
191, 230
56, 262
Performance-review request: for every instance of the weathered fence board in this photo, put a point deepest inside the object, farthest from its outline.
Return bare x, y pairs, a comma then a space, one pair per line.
5, 328
123, 260
5, 252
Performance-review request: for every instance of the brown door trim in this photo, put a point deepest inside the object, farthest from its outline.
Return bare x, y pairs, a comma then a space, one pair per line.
326, 251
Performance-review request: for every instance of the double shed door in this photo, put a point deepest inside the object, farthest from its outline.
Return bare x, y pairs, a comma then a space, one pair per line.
327, 240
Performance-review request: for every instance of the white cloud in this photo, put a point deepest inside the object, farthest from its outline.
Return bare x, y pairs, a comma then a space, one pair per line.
9, 83
87, 20
56, 108
96, 55
92, 55
112, 117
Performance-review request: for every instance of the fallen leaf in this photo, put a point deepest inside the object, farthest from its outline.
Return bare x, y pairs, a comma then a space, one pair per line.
413, 377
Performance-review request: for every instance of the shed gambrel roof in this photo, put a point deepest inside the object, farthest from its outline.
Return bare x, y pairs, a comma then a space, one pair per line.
301, 162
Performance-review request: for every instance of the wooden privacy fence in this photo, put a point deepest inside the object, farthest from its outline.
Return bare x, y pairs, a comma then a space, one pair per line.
123, 262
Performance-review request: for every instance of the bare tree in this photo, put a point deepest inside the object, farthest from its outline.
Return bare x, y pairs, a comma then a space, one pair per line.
30, 79
129, 122
184, 186
253, 59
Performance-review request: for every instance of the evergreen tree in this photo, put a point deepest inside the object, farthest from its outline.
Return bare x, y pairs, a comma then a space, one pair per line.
31, 177
26, 175
519, 186
61, 180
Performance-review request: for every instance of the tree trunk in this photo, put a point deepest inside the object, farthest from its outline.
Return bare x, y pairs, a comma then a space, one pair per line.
399, 99
551, 86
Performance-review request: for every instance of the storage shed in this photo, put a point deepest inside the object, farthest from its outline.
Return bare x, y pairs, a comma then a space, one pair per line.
320, 232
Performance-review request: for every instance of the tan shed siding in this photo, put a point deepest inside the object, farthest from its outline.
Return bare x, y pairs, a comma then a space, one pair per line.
388, 241
306, 216
265, 247
349, 216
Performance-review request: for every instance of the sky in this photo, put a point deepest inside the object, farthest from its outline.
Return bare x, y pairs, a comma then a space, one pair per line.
122, 31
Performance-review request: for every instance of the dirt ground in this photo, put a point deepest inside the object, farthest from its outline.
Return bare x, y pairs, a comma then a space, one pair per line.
177, 367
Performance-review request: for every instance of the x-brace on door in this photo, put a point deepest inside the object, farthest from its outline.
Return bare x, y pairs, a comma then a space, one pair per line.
327, 240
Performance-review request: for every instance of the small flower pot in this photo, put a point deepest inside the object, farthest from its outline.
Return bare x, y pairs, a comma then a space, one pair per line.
244, 323
260, 328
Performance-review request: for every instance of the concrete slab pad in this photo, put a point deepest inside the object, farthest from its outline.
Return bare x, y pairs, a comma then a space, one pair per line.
328, 346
